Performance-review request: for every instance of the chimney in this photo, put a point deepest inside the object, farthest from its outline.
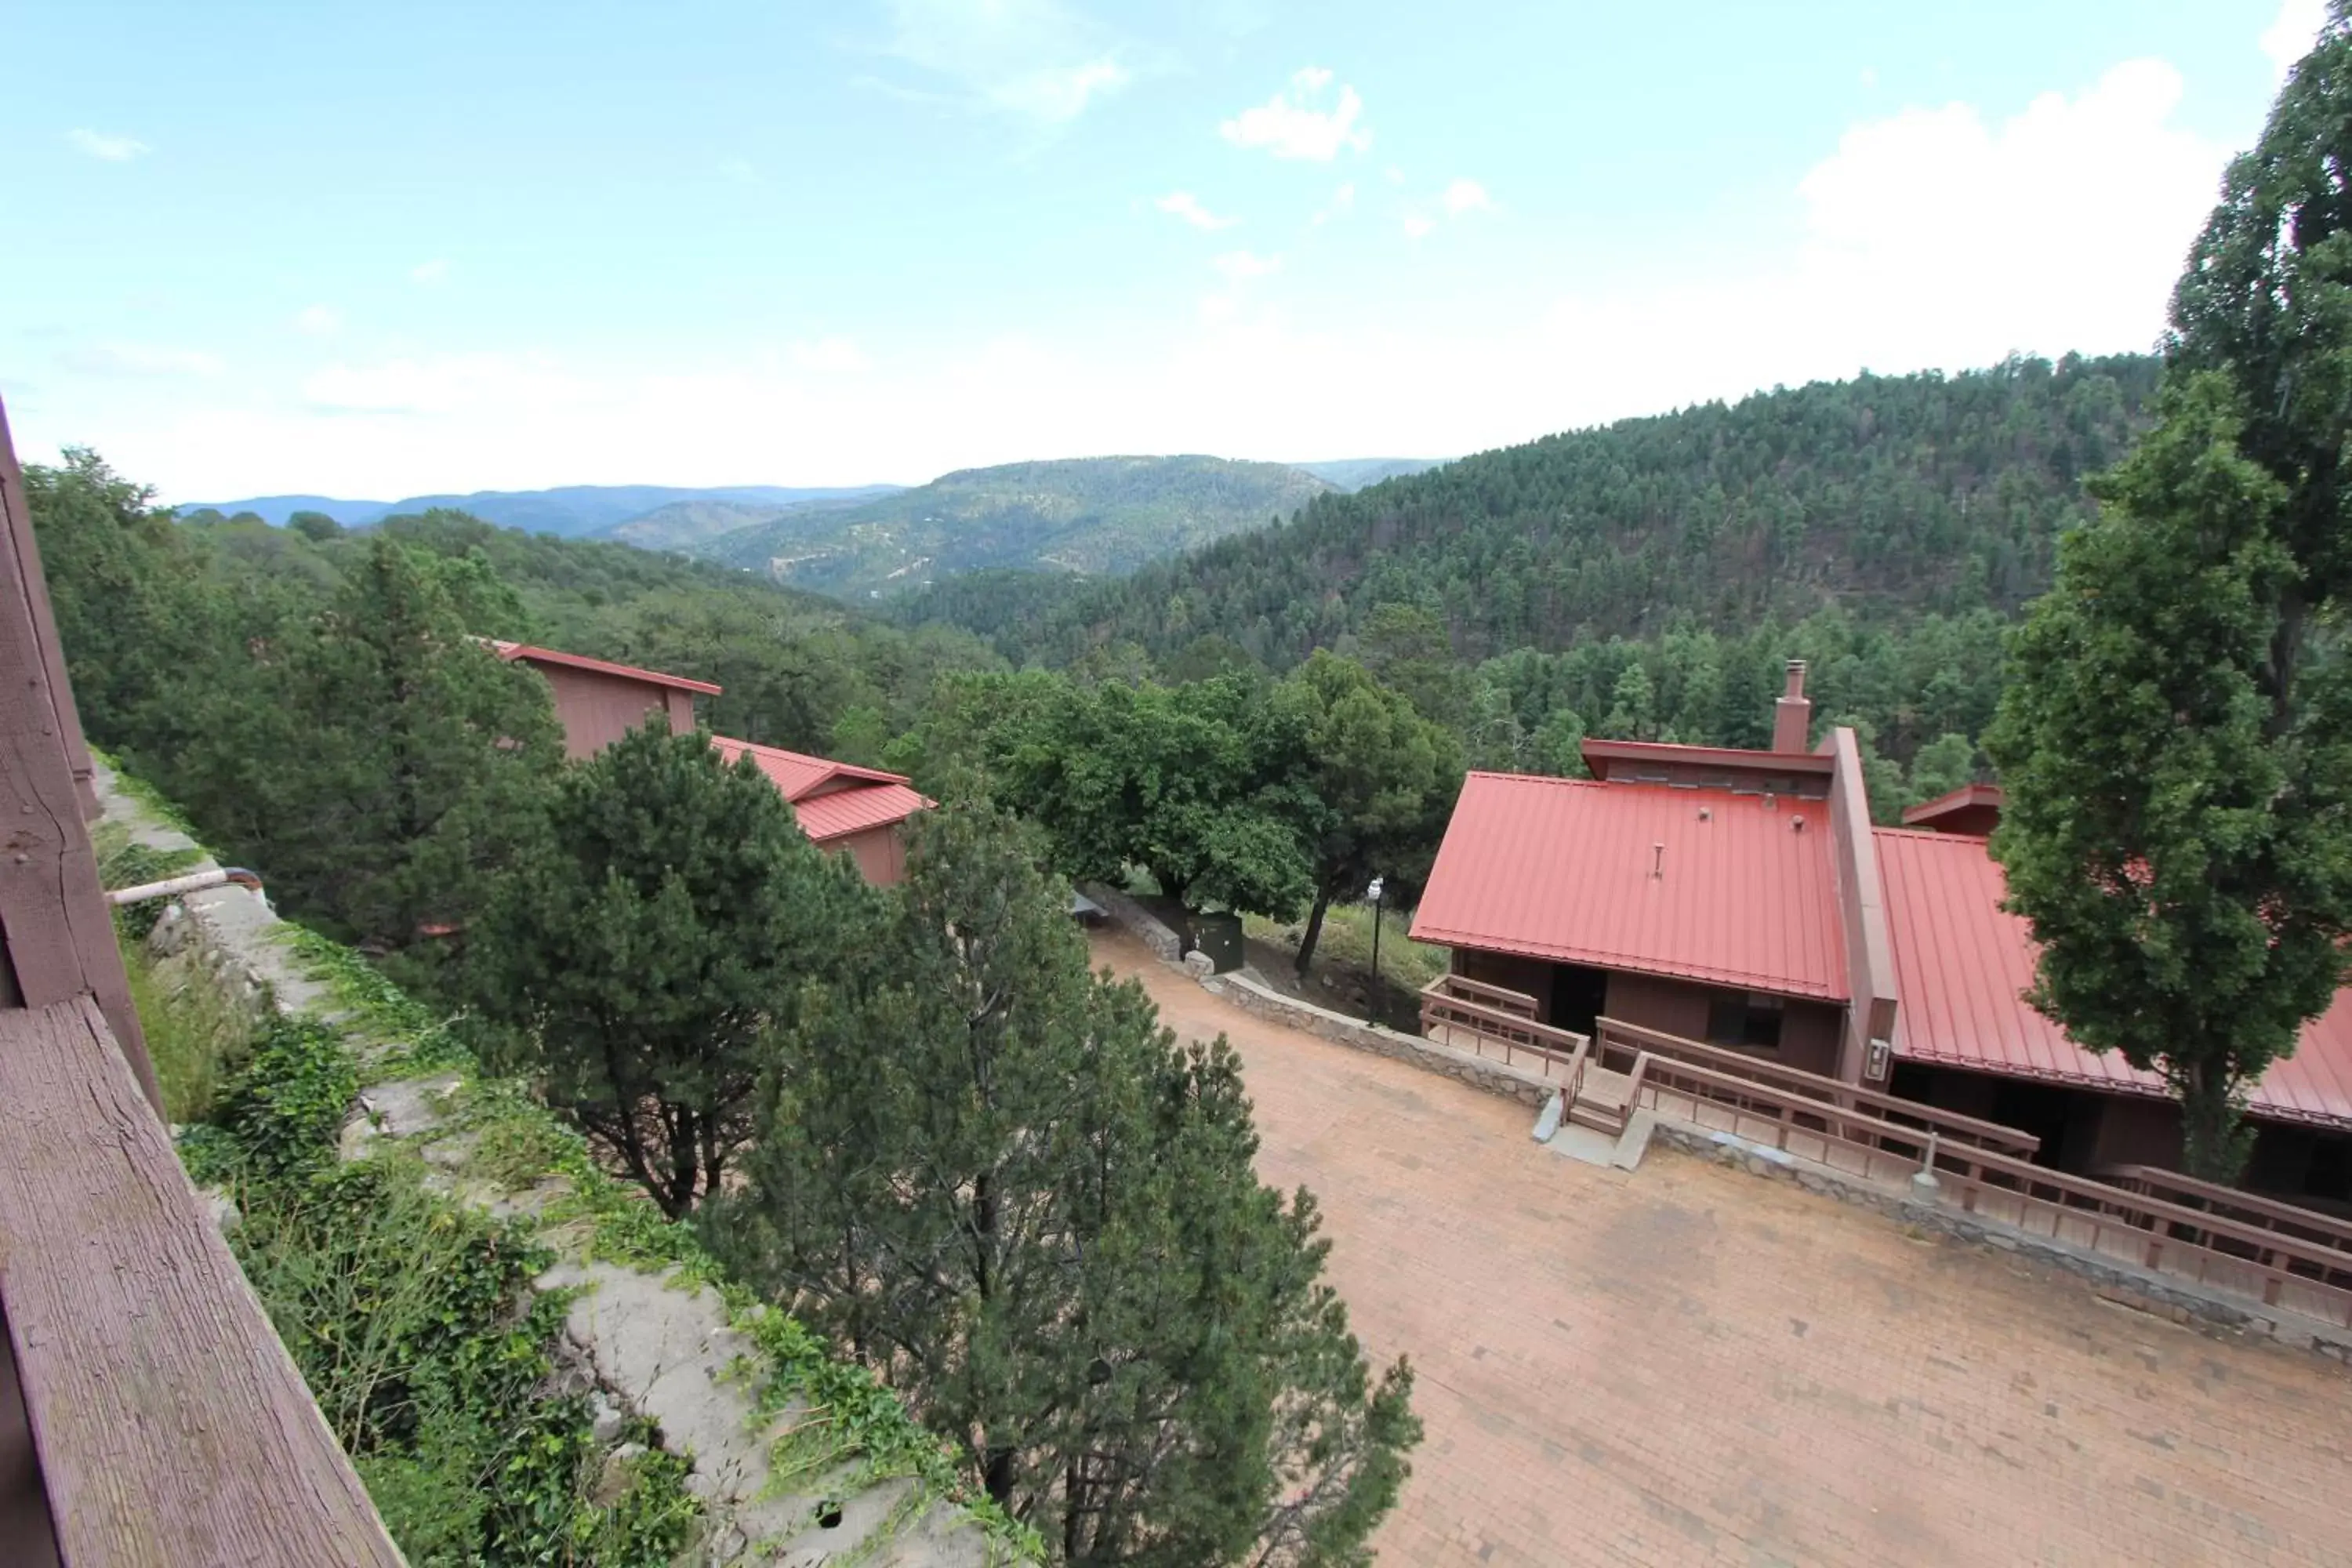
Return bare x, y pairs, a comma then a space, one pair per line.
1793, 715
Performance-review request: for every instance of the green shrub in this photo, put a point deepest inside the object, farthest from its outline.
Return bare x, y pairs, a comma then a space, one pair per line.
285, 1108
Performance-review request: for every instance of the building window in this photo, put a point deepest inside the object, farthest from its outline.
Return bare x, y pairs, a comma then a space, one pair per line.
1746, 1019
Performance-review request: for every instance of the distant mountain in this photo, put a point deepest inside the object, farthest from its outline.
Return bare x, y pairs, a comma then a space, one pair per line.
274, 510
684, 523
1886, 497
1088, 516
1355, 473
571, 512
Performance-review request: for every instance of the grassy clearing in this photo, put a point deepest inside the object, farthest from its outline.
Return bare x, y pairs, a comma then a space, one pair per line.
1347, 939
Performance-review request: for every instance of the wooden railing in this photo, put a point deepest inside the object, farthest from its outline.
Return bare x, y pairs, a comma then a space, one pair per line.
1617, 1041
1500, 997
2308, 1226
1854, 1139
2165, 1237
1560, 1054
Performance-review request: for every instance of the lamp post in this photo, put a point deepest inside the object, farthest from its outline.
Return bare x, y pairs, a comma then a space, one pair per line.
1378, 889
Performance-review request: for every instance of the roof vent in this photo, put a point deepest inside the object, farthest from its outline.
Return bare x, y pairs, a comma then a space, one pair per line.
1705, 814
1657, 860
1797, 823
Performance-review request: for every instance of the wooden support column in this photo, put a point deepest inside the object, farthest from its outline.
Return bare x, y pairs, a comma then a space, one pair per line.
56, 930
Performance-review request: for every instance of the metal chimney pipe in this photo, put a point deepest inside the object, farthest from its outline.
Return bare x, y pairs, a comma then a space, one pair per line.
1793, 715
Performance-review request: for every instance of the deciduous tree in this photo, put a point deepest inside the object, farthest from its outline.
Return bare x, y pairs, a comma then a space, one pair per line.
1383, 780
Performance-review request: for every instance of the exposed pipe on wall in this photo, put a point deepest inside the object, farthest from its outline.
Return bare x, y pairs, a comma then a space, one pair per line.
194, 882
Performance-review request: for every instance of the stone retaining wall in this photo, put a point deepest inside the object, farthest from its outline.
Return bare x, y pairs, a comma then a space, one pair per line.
2179, 1300
1479, 1073
653, 1345
1166, 944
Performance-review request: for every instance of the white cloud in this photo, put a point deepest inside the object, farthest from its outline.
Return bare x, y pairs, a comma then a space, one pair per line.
1939, 237
319, 320
1934, 240
837, 355
1294, 124
1236, 264
1186, 206
443, 384
428, 272
1419, 225
140, 360
1343, 201
114, 149
2289, 37
1033, 58
738, 170
1467, 196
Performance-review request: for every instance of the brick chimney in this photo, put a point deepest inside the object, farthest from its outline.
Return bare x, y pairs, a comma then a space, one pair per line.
1793, 715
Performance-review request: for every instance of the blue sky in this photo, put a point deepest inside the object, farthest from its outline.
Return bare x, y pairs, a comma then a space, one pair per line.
373, 250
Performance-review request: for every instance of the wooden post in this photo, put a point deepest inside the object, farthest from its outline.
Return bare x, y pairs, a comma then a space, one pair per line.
54, 921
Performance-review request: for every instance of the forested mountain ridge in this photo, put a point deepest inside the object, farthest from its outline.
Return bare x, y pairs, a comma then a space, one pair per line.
569, 512
1879, 496
1356, 473
1088, 516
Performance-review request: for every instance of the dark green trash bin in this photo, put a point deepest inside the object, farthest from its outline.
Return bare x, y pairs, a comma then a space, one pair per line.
1220, 936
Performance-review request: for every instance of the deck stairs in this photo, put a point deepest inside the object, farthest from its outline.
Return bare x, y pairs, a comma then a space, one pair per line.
1604, 1099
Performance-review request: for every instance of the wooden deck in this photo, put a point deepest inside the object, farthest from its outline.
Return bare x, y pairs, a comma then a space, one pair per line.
2267, 1252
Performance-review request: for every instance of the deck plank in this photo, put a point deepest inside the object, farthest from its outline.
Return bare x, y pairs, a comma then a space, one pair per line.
171, 1424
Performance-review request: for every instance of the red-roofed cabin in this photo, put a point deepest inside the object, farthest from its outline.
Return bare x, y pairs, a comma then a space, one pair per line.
1698, 890
598, 701
861, 811
858, 811
1676, 890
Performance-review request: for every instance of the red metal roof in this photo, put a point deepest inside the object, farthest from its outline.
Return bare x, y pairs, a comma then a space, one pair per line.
871, 798
512, 651
1967, 797
1668, 752
1561, 870
796, 772
830, 816
1962, 963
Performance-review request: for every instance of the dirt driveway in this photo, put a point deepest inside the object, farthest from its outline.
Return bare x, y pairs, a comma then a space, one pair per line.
1689, 1364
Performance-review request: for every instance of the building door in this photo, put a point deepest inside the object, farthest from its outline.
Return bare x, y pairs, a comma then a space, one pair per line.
1579, 997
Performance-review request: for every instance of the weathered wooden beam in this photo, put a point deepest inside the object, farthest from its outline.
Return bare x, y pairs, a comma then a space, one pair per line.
58, 936
172, 1426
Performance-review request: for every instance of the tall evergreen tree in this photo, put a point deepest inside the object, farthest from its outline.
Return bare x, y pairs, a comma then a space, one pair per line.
652, 949
997, 1177
378, 765
2177, 738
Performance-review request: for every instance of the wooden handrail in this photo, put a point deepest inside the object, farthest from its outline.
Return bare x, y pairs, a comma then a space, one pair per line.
1949, 1124
2251, 1209
170, 1424
1499, 996
1555, 1047
1781, 1106
2281, 1261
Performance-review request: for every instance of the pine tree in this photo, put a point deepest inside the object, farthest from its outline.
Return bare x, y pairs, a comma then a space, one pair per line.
2177, 738
653, 947
997, 1177
377, 765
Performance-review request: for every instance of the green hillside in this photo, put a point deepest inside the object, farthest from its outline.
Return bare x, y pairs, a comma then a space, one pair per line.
1882, 496
683, 524
1093, 517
